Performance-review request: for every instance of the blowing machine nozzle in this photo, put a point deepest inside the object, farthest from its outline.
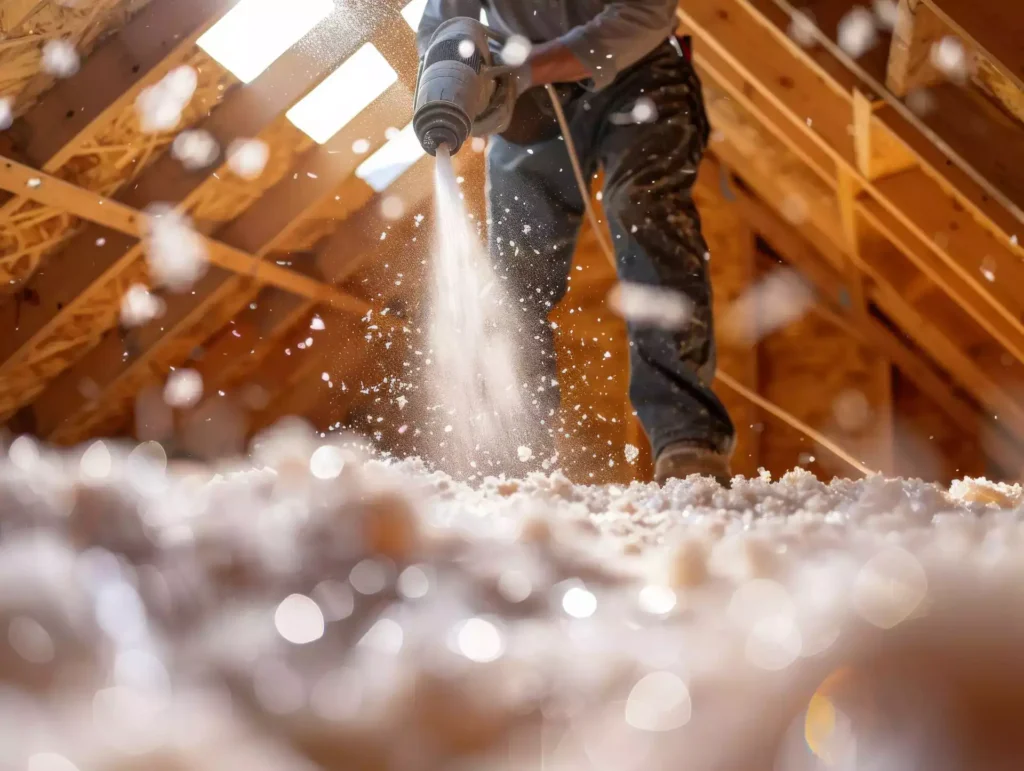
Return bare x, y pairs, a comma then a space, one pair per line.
453, 88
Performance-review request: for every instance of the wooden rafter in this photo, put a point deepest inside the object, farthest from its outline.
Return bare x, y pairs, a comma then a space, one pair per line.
116, 216
801, 110
267, 227
338, 256
79, 292
66, 414
156, 39
764, 167
833, 292
27, 25
86, 129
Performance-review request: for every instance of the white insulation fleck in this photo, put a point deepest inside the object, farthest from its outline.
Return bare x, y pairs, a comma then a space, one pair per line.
385, 616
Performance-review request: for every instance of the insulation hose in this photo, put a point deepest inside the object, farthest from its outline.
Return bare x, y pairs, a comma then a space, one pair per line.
724, 378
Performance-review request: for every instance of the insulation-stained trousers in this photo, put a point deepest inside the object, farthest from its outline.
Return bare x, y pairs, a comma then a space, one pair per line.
648, 130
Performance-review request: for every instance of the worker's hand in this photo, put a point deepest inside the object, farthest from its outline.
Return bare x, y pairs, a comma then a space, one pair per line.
510, 83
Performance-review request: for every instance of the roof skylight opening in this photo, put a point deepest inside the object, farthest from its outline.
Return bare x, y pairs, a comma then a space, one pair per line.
392, 160
343, 94
253, 34
413, 12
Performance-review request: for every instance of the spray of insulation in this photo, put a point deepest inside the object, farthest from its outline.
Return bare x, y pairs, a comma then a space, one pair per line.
475, 374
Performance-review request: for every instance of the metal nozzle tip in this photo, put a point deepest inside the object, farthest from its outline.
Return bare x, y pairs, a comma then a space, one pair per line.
438, 136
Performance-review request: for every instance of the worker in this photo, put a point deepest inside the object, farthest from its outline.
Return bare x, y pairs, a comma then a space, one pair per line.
634, 105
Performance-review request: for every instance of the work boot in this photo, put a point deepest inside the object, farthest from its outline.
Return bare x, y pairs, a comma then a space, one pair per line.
678, 461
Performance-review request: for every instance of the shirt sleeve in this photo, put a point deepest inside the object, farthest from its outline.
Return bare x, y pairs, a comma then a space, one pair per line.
438, 11
622, 34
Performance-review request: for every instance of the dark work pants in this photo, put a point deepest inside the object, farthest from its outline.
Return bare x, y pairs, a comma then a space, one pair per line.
535, 211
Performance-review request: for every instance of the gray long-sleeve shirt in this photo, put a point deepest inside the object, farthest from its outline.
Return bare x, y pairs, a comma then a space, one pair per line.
607, 36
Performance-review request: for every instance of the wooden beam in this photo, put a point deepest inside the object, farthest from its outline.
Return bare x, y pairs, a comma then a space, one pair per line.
156, 39
739, 39
847, 192
123, 219
917, 29
995, 28
14, 12
829, 69
1006, 260
878, 153
80, 291
263, 229
85, 129
273, 318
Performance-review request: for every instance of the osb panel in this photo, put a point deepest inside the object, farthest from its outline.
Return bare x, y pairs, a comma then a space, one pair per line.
822, 376
225, 195
927, 444
153, 367
732, 268
351, 196
111, 158
982, 133
82, 24
243, 366
94, 314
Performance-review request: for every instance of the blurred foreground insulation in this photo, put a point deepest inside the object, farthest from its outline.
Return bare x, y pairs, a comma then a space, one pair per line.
342, 612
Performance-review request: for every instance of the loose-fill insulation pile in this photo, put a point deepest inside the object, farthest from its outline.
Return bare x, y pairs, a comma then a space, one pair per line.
328, 609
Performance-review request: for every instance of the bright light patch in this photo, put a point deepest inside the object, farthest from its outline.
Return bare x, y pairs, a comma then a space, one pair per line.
343, 94
254, 33
413, 12
299, 620
391, 161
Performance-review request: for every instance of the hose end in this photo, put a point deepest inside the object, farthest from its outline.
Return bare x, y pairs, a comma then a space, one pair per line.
437, 123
